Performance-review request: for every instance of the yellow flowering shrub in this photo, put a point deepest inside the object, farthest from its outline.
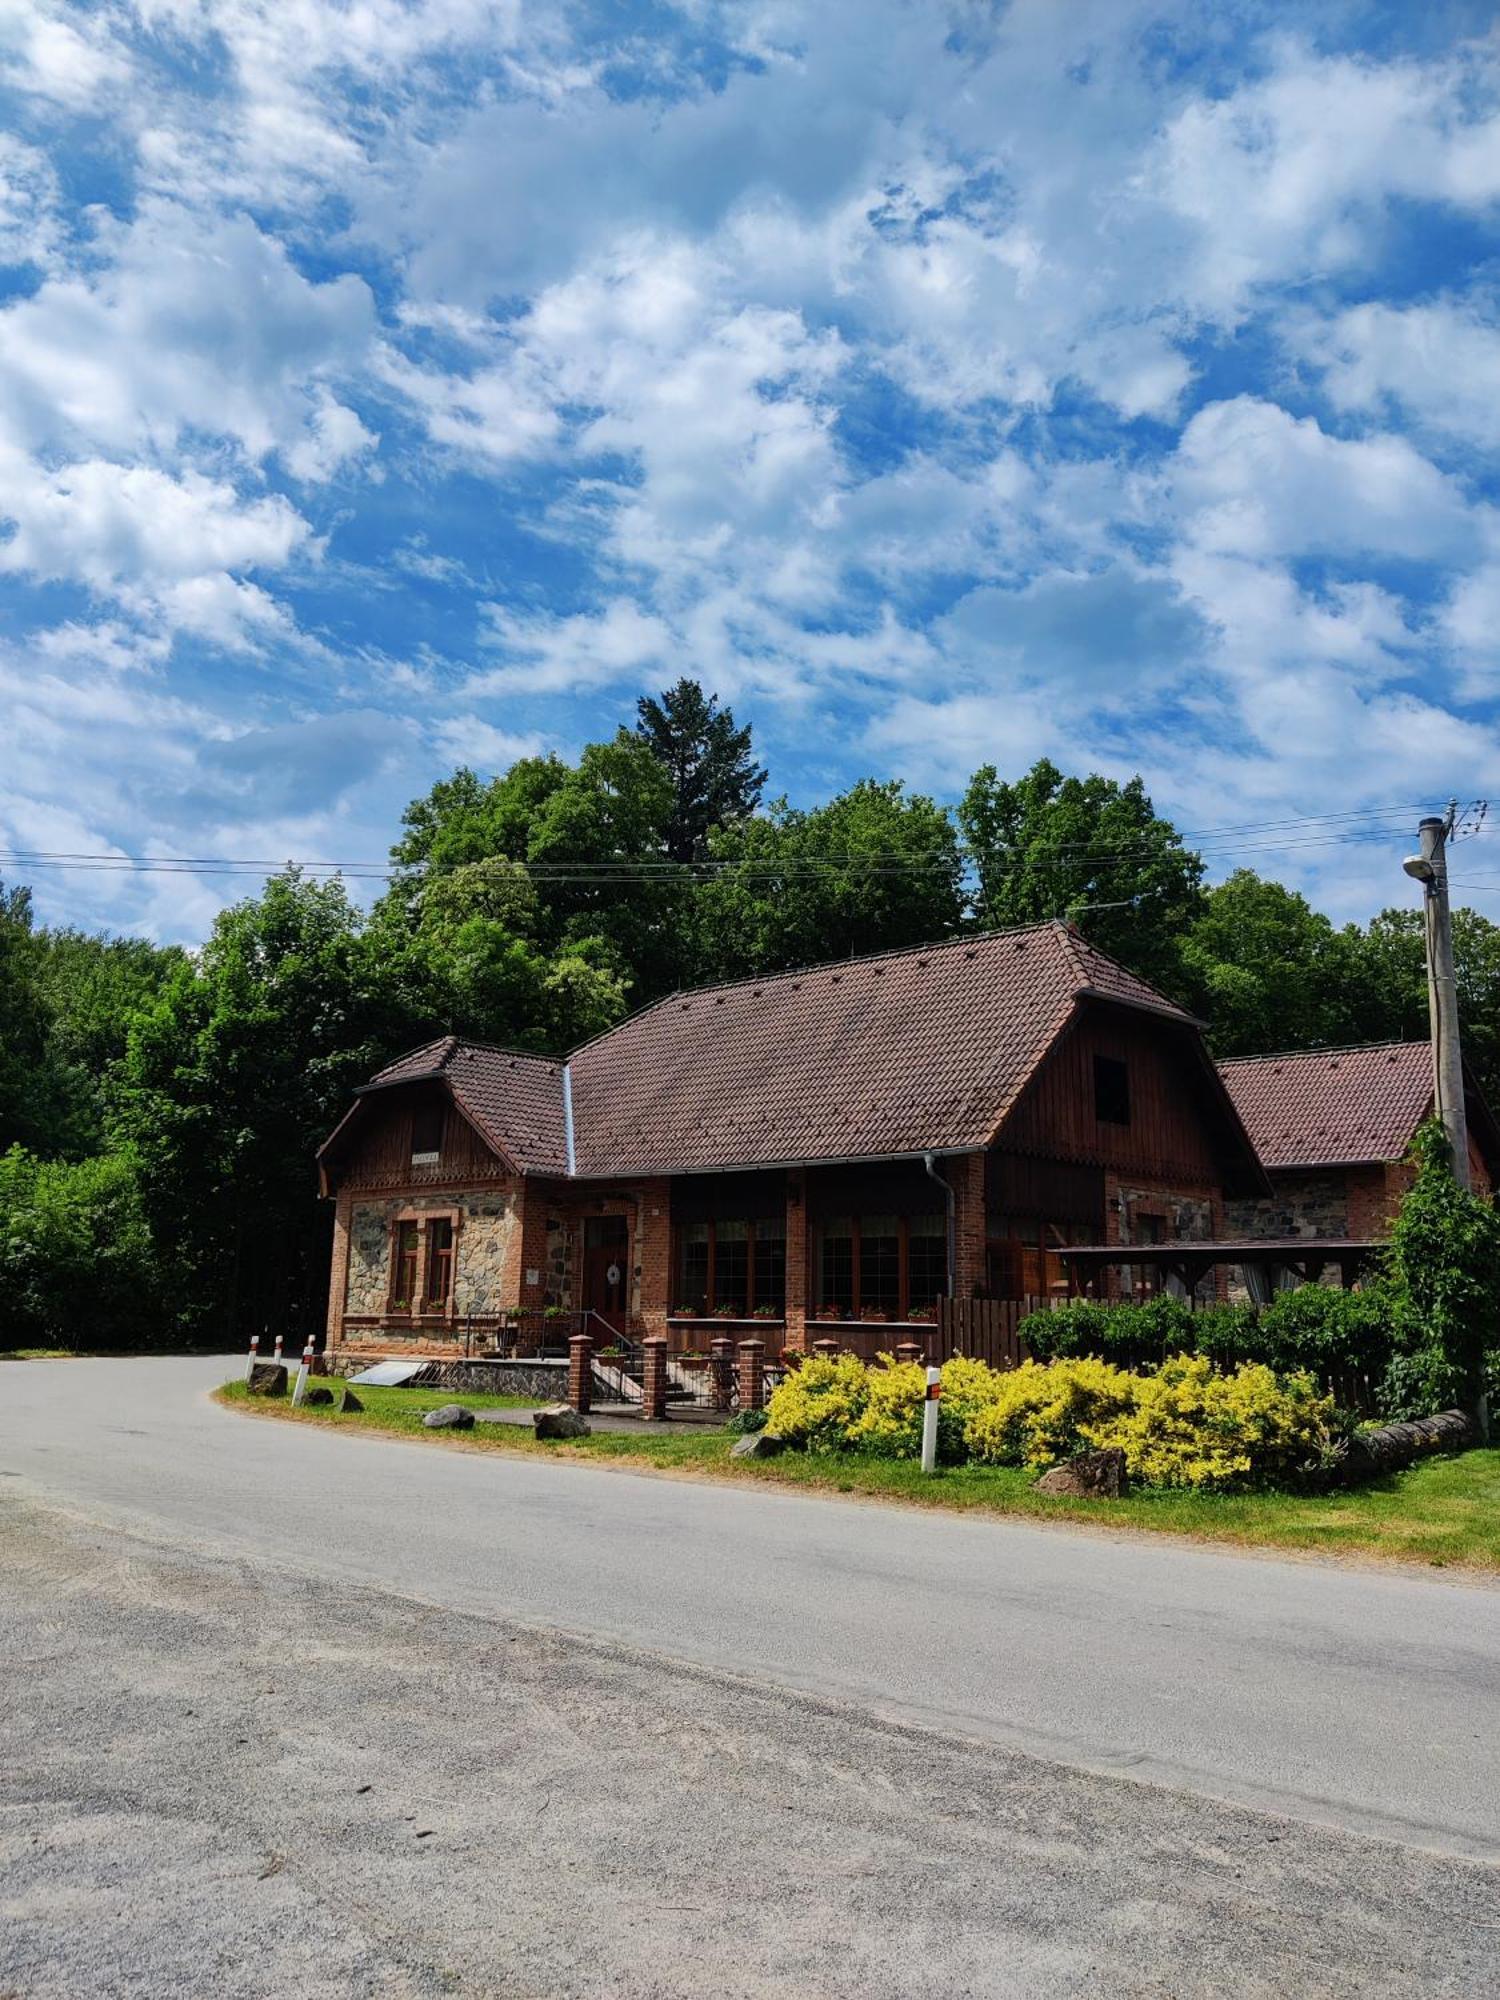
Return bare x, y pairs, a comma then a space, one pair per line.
1039, 1415
1183, 1424
1191, 1426
817, 1405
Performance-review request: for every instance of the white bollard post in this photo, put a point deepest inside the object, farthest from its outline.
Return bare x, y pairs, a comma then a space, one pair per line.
250, 1358
276, 1355
300, 1384
930, 1419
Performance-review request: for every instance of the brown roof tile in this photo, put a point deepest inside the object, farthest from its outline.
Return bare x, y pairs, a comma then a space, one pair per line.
514, 1100
900, 1053
1332, 1107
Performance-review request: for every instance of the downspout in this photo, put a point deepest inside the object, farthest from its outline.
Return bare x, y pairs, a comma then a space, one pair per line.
934, 1175
567, 1082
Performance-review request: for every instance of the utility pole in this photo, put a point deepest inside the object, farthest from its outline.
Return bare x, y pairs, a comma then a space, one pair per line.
1430, 868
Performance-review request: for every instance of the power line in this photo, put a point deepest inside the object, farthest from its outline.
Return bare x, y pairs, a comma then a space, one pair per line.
1212, 843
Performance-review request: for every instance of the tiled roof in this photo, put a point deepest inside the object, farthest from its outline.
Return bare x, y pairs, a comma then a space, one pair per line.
899, 1053
514, 1100
1332, 1107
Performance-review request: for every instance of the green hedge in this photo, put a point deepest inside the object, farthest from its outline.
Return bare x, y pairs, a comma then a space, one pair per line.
1317, 1328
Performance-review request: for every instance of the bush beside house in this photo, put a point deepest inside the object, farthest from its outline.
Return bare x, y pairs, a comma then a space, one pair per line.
1185, 1424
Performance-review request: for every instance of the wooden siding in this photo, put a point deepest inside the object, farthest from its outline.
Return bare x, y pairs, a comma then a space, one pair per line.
377, 1150
1169, 1135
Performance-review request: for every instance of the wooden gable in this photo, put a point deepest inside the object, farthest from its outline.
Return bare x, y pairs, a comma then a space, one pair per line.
410, 1135
1112, 1059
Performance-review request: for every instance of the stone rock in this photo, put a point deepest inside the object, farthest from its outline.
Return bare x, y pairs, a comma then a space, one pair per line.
316, 1393
559, 1420
267, 1378
449, 1417
1093, 1475
348, 1400
759, 1444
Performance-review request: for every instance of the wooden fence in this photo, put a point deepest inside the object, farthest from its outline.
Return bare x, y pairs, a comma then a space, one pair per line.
984, 1329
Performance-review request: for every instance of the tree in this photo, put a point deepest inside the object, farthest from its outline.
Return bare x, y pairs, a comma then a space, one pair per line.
715, 780
76, 1259
1086, 848
1445, 1262
873, 870
93, 986
591, 839
1268, 971
44, 1105
232, 1077
1390, 981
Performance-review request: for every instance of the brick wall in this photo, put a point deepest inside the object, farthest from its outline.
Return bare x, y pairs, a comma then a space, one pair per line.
965, 1175
797, 1273
651, 1258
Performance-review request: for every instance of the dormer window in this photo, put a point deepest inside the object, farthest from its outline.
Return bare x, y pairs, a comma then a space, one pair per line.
427, 1135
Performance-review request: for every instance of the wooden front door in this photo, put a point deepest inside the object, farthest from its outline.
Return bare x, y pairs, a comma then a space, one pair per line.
606, 1269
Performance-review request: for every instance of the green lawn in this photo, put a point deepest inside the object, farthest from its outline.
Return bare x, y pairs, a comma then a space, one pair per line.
34, 1353
1443, 1512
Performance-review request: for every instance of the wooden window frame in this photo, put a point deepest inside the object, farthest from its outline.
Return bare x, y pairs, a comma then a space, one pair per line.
903, 1268
710, 1283
419, 1305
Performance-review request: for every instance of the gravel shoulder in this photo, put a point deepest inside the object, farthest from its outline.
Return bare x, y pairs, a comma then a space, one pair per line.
222, 1777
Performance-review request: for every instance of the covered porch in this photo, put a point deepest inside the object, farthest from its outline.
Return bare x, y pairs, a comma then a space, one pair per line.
1098, 1270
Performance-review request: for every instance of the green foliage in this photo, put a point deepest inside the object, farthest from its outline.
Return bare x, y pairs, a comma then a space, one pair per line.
1445, 1264
40, 1100
1268, 971
1315, 1327
1190, 1425
232, 1078
745, 1422
77, 1266
806, 885
715, 779
1040, 1415
1049, 846
1185, 1424
549, 866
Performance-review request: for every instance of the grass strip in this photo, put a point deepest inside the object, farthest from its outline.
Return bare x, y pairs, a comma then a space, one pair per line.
1443, 1512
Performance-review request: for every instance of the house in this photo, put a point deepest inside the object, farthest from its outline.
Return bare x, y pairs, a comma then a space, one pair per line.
845, 1143
1333, 1128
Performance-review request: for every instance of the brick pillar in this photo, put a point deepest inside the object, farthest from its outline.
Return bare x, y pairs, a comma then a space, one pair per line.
965, 1175
796, 1261
721, 1371
752, 1374
654, 1377
827, 1348
580, 1371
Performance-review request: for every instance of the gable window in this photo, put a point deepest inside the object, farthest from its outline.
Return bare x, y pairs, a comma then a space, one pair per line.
404, 1267
883, 1266
439, 1262
427, 1134
737, 1267
1111, 1091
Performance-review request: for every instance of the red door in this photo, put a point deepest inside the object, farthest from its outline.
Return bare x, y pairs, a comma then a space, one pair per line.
606, 1269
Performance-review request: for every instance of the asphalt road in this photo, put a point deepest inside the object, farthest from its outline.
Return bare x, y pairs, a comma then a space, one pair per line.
656, 1737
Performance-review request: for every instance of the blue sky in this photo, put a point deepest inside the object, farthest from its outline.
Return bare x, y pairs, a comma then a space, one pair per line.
384, 387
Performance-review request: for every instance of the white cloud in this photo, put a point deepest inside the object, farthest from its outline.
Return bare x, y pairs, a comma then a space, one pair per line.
467, 739
1288, 176
565, 655
1437, 364
186, 327
108, 525
1249, 479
